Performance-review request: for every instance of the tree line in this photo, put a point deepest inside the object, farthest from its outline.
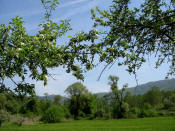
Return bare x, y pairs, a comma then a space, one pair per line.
81, 104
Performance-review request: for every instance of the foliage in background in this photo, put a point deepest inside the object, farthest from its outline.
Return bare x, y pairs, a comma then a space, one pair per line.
4, 116
80, 100
81, 104
53, 114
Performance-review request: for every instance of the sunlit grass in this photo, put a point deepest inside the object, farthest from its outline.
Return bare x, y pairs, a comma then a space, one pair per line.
145, 124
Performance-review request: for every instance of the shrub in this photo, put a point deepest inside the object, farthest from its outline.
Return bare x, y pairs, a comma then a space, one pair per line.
132, 115
67, 113
162, 113
148, 113
152, 113
17, 120
4, 116
125, 109
99, 114
53, 114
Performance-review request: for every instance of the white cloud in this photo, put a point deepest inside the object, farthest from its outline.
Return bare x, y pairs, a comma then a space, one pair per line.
71, 3
22, 13
26, 13
80, 9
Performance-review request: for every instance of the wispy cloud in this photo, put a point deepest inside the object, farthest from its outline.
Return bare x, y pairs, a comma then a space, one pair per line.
80, 9
71, 3
21, 13
26, 13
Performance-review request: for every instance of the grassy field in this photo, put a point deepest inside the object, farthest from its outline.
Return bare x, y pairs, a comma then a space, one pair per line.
145, 124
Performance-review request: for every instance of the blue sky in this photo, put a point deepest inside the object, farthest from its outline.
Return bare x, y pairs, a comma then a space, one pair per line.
78, 11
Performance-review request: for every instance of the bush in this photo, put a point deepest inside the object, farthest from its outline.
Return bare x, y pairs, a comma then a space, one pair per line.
125, 109
67, 113
53, 114
132, 115
107, 116
4, 116
161, 113
148, 113
99, 114
17, 120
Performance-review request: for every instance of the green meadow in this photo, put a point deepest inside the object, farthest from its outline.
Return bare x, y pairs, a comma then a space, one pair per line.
143, 124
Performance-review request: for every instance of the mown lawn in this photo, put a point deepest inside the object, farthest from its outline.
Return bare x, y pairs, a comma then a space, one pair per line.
145, 124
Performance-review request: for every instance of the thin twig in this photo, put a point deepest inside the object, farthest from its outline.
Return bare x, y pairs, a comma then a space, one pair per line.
103, 70
13, 81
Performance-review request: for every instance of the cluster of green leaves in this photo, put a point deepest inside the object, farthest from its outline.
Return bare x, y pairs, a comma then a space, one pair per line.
4, 116
53, 114
136, 33
129, 35
24, 55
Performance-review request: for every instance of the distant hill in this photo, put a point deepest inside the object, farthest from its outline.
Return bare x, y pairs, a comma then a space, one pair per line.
167, 85
50, 97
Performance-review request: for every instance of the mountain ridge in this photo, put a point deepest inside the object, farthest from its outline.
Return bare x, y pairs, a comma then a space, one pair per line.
167, 85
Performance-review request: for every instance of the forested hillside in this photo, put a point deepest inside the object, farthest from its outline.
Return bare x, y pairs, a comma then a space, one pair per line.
167, 85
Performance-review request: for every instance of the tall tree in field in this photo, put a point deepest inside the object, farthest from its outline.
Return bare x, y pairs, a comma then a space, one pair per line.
80, 100
119, 106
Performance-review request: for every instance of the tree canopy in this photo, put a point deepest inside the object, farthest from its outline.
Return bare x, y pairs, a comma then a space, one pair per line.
24, 55
129, 36
80, 100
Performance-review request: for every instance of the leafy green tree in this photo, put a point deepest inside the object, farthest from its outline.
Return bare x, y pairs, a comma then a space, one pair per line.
134, 33
168, 99
53, 114
25, 55
13, 106
58, 99
44, 104
3, 101
99, 108
153, 97
129, 35
24, 90
147, 111
135, 101
80, 100
9, 103
32, 105
119, 106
